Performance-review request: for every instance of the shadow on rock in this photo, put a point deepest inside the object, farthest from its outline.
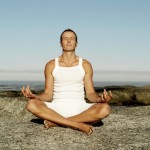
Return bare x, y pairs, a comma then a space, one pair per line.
38, 121
41, 121
98, 124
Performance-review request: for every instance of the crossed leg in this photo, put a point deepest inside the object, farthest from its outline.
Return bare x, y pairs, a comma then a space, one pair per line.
52, 118
96, 112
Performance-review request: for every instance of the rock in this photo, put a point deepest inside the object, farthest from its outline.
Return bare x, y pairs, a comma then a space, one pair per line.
143, 97
125, 128
13, 109
128, 95
12, 93
122, 95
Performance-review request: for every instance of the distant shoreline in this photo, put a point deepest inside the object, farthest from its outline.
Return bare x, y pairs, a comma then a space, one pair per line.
39, 85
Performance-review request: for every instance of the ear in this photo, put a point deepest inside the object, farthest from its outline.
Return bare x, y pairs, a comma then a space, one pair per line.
76, 44
60, 44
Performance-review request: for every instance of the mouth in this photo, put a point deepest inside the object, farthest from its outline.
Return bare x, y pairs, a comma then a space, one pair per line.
68, 45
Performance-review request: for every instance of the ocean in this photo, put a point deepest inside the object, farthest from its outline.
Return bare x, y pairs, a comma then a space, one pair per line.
39, 85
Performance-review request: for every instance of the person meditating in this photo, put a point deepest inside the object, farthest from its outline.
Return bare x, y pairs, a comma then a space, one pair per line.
68, 80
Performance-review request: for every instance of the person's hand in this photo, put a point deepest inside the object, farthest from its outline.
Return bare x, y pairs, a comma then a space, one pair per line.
27, 92
105, 97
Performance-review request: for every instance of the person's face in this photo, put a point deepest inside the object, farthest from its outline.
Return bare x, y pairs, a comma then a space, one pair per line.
68, 41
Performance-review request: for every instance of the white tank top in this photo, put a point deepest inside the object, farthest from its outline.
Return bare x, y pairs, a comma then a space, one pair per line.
68, 81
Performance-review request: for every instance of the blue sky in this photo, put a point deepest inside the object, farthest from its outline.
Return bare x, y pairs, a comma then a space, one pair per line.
113, 35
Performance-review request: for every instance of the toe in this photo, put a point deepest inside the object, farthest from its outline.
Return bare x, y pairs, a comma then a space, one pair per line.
46, 124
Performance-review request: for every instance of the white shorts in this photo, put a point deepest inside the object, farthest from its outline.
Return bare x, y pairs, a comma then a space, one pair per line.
67, 107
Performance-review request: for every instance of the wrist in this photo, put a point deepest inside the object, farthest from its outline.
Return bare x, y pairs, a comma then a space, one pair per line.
36, 97
99, 100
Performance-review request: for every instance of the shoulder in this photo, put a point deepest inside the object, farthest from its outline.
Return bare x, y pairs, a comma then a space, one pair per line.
87, 65
51, 62
50, 65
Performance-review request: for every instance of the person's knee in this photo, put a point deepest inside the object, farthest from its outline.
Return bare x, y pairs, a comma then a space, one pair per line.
32, 105
103, 110
106, 109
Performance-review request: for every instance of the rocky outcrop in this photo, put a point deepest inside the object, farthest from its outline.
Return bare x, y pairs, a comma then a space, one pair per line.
122, 95
128, 95
13, 93
126, 128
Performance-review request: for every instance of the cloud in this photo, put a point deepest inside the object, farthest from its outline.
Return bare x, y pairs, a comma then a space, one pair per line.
20, 71
121, 72
95, 71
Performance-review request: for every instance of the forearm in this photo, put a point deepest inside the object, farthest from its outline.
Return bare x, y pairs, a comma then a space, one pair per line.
93, 97
44, 97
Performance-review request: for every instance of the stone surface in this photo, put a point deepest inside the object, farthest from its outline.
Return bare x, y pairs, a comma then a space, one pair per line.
122, 95
126, 128
128, 95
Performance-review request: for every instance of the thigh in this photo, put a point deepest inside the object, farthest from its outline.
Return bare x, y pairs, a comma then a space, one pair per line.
34, 103
96, 107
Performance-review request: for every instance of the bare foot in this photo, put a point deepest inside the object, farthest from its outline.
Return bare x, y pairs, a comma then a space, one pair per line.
88, 129
48, 124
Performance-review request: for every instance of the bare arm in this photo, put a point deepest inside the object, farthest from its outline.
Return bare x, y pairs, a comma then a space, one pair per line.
89, 86
47, 95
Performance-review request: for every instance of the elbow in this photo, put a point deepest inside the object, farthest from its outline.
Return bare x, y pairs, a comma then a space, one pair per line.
90, 94
48, 96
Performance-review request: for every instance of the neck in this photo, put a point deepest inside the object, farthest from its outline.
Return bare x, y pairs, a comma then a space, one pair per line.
68, 56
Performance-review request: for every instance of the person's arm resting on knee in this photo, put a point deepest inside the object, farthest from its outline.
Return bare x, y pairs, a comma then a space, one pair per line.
47, 95
91, 94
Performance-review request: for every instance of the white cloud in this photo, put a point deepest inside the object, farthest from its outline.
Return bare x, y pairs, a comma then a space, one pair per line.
121, 72
99, 75
20, 71
106, 75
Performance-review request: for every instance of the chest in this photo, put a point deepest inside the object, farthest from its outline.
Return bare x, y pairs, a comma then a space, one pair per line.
68, 74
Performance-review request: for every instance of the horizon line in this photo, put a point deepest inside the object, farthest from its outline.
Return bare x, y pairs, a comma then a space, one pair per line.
95, 71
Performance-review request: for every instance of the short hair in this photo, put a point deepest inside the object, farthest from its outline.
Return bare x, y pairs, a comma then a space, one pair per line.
68, 30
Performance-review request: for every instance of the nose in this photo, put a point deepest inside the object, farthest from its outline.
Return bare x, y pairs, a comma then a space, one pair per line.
68, 40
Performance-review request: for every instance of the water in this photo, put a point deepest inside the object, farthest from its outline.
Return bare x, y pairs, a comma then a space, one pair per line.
39, 85
17, 85
121, 83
